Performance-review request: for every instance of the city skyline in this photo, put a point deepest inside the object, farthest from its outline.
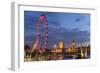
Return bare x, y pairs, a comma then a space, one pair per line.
61, 26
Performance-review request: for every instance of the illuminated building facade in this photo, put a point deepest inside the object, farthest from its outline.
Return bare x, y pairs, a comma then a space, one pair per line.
55, 46
61, 44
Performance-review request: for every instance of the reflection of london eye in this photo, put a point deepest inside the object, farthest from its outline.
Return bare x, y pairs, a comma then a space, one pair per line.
36, 45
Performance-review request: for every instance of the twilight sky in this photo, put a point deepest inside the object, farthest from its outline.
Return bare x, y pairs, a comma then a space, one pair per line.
61, 26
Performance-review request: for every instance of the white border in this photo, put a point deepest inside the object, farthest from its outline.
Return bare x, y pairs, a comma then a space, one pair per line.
18, 58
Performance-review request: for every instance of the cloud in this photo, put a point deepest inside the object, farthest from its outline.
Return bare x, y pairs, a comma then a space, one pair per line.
77, 20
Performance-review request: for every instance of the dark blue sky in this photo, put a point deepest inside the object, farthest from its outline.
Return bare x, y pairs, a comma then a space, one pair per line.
61, 26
